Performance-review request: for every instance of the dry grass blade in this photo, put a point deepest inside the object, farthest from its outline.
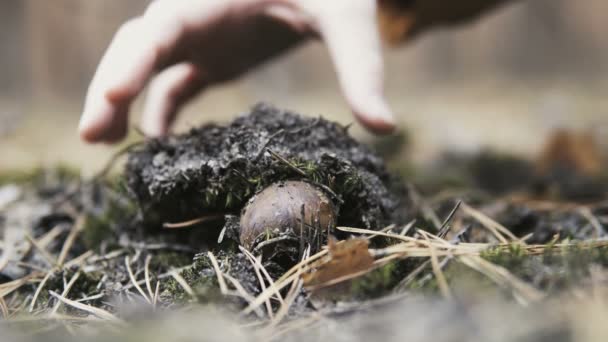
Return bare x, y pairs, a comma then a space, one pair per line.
445, 227
407, 281
79, 260
100, 313
8, 288
289, 276
134, 281
260, 299
296, 268
296, 286
595, 223
4, 308
182, 282
65, 292
256, 269
49, 258
407, 227
49, 236
258, 265
155, 298
497, 229
241, 292
147, 277
69, 241
431, 237
218, 272
441, 281
390, 235
426, 210
40, 287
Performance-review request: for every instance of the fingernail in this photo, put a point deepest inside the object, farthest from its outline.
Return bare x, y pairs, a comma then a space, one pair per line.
376, 115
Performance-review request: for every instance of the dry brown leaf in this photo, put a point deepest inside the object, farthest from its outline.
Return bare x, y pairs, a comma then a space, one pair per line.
575, 151
401, 20
345, 258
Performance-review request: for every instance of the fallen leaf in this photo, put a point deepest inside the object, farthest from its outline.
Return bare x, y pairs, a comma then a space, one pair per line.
345, 259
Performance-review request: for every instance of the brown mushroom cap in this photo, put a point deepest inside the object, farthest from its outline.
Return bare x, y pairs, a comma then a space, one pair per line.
278, 209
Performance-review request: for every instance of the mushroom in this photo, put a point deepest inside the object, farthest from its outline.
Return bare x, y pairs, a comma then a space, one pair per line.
279, 209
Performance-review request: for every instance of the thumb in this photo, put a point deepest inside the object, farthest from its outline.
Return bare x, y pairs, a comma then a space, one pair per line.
351, 34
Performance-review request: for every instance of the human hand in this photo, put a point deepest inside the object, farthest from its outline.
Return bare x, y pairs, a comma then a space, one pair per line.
181, 47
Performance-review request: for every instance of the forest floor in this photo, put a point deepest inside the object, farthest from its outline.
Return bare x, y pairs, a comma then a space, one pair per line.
499, 248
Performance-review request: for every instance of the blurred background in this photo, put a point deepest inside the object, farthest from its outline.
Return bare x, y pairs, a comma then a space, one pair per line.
504, 81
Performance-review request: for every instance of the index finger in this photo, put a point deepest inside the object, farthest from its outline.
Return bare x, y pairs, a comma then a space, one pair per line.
135, 53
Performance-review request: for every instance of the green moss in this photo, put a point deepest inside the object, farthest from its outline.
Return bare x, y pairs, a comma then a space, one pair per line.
39, 175
513, 258
164, 260
201, 278
102, 227
554, 269
377, 282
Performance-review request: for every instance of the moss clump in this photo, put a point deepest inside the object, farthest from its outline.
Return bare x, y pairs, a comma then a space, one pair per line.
376, 283
513, 258
202, 278
85, 285
555, 269
164, 260
114, 213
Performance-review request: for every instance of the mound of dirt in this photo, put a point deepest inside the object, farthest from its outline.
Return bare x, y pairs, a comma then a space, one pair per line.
215, 169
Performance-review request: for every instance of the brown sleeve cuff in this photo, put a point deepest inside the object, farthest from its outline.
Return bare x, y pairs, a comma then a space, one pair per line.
400, 20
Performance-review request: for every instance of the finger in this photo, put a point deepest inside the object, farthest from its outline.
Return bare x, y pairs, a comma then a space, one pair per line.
291, 16
137, 50
169, 91
352, 37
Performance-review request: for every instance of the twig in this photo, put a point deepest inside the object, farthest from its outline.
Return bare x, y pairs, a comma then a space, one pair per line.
192, 222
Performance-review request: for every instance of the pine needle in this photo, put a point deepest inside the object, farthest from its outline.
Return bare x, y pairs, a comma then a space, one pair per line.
220, 278
100, 313
134, 281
